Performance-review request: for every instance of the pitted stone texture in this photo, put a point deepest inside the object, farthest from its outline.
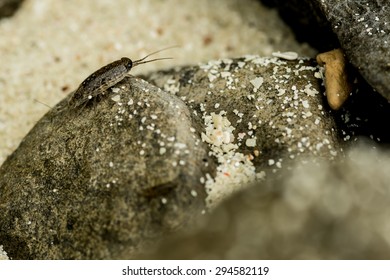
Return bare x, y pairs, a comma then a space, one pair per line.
277, 102
95, 183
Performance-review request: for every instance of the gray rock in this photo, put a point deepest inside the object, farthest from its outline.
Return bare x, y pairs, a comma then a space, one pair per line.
307, 21
275, 112
90, 183
109, 179
362, 28
326, 211
277, 102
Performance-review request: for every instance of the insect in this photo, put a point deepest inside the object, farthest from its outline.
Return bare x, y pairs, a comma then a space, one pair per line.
107, 76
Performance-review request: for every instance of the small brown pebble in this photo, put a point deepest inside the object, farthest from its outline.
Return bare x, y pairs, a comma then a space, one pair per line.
337, 82
159, 31
207, 40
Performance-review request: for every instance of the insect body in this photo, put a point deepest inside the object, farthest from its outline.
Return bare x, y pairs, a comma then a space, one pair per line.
107, 76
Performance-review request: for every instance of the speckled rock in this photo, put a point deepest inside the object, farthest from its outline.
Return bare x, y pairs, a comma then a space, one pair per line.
8, 7
109, 179
327, 211
275, 112
273, 101
362, 29
101, 181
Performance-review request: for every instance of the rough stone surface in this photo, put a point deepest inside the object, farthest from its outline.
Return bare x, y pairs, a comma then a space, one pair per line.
362, 29
274, 106
271, 100
307, 213
109, 179
326, 211
90, 183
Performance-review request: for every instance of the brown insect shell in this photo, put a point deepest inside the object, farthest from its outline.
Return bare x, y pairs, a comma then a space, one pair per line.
101, 80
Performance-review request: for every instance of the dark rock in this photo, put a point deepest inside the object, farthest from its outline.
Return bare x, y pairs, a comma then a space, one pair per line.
362, 28
88, 183
326, 211
275, 111
109, 179
9, 7
365, 114
274, 101
310, 212
307, 21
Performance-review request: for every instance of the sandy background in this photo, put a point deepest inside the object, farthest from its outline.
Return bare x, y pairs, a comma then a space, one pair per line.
48, 47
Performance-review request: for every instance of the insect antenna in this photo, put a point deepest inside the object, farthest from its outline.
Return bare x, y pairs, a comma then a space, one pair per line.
141, 61
40, 102
138, 62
